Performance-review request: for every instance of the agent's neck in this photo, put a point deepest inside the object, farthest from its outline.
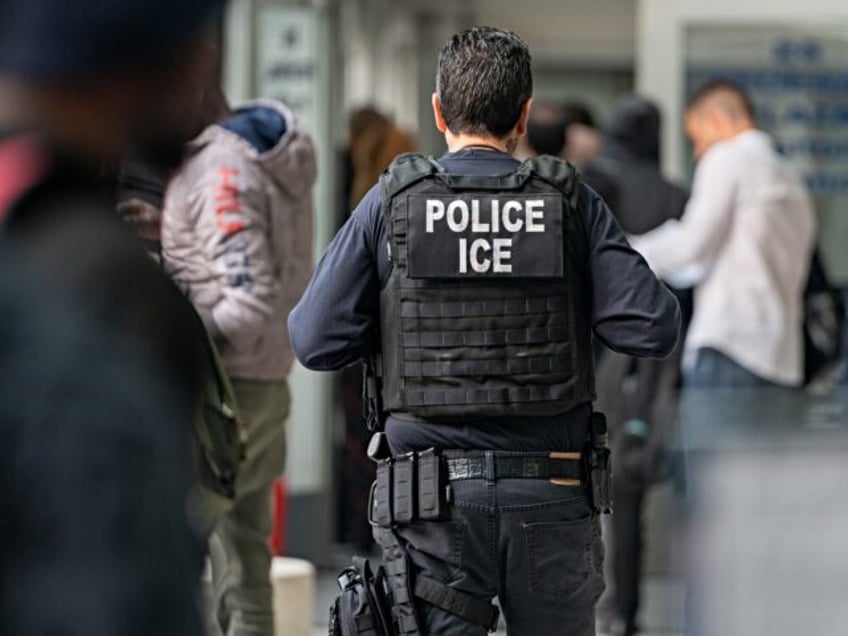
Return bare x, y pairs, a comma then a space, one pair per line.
463, 141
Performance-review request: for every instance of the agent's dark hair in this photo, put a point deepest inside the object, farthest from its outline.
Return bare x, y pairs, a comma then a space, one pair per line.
484, 80
741, 100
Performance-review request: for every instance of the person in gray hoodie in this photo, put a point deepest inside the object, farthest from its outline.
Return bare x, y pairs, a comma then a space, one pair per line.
237, 237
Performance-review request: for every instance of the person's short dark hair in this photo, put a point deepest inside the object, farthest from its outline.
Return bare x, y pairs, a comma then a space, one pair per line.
546, 129
578, 113
718, 86
484, 80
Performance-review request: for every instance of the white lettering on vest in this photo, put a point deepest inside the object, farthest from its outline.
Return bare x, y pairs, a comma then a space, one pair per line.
453, 224
490, 254
435, 212
513, 216
536, 212
496, 216
499, 263
476, 225
501, 255
474, 254
463, 256
508, 223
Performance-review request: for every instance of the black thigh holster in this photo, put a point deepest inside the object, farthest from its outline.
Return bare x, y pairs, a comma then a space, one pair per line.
397, 566
410, 488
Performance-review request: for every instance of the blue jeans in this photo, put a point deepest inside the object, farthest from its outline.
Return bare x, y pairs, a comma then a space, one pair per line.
717, 390
535, 545
714, 370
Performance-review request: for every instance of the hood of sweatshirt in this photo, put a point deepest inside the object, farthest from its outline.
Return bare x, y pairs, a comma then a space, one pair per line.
270, 133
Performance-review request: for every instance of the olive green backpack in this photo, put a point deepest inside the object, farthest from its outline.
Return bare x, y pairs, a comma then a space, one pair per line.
219, 441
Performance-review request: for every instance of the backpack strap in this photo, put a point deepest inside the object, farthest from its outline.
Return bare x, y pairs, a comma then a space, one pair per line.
22, 165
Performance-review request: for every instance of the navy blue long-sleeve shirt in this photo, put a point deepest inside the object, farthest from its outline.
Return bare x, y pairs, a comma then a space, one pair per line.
333, 324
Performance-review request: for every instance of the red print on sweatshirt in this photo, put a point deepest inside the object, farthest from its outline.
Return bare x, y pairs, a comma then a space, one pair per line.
227, 202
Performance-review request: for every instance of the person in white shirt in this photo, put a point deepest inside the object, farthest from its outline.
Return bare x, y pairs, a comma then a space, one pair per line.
745, 241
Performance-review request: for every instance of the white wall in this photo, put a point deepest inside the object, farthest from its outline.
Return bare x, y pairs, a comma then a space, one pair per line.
379, 40
582, 31
390, 46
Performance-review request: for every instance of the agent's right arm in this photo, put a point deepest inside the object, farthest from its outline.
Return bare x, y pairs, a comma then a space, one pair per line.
334, 323
632, 311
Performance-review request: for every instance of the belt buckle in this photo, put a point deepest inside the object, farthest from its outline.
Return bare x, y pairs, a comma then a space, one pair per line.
569, 456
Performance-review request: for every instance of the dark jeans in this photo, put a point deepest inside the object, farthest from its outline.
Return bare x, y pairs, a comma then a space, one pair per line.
535, 545
624, 533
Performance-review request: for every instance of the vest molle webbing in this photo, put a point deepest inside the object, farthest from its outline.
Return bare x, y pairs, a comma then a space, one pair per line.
485, 310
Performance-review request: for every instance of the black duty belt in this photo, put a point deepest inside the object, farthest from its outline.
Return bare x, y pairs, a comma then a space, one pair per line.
416, 486
494, 465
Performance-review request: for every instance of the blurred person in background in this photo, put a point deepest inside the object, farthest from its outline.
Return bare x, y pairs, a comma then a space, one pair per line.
583, 143
95, 537
237, 238
219, 438
550, 130
584, 140
141, 191
546, 132
639, 396
374, 140
484, 378
745, 241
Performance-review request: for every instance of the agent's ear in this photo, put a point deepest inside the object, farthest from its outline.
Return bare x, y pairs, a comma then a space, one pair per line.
441, 125
521, 126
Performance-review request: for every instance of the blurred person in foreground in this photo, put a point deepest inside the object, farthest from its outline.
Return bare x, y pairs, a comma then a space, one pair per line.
480, 364
639, 396
100, 383
237, 238
745, 242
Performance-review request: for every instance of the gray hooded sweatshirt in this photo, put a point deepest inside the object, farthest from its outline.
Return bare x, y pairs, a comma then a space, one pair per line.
237, 234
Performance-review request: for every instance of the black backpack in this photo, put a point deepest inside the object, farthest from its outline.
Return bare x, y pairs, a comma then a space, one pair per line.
362, 608
824, 324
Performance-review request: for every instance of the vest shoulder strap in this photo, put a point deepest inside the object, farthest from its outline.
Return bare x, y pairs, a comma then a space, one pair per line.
558, 173
405, 171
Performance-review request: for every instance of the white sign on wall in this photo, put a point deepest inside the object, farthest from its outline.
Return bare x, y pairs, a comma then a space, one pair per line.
287, 59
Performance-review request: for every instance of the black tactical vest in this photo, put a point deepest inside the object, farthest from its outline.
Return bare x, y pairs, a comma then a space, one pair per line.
485, 312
